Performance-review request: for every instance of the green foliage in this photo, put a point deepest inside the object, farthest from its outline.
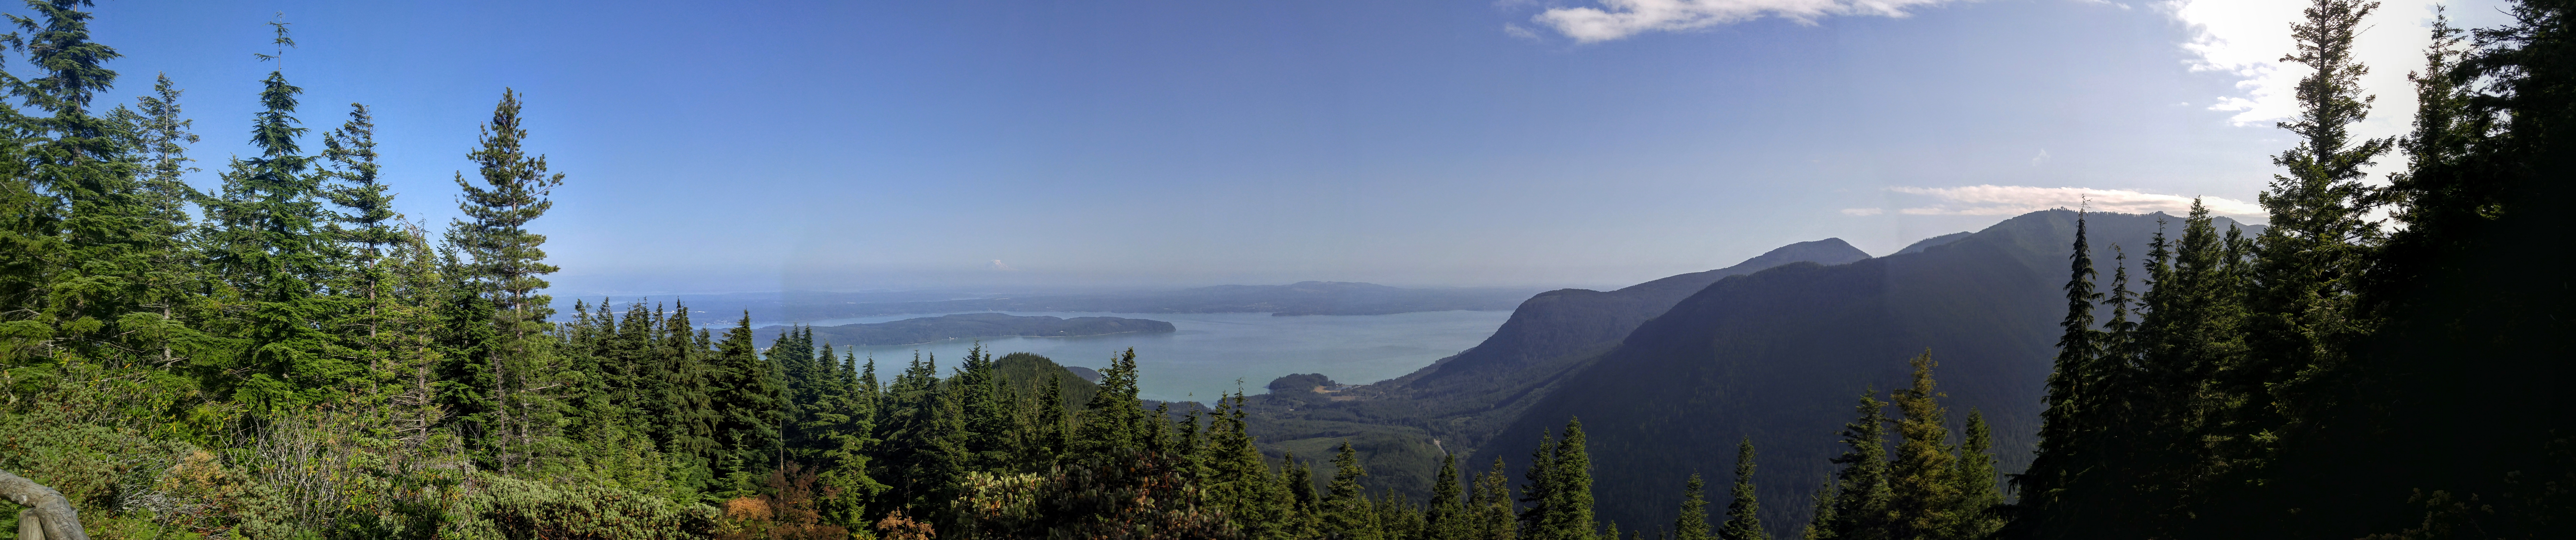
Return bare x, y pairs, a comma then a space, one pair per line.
1743, 513
1693, 525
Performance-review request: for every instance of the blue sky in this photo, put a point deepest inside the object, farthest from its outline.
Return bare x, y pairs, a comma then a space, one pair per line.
884, 145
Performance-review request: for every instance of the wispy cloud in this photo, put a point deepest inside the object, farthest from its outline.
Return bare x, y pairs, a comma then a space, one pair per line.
1615, 19
997, 265
1993, 200
1863, 211
2245, 39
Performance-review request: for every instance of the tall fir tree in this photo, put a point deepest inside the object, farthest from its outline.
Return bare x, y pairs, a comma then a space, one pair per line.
508, 265
1445, 517
1743, 512
1922, 490
271, 244
1980, 497
1863, 503
1693, 523
1346, 511
1560, 489
745, 397
2055, 501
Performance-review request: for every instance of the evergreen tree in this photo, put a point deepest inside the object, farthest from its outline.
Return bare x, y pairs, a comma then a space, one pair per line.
1300, 479
1743, 515
1345, 508
1821, 519
745, 394
369, 223
2054, 501
2319, 240
169, 289
1693, 523
1491, 504
1116, 416
1446, 516
1863, 503
508, 265
1923, 493
270, 244
1973, 472
1560, 489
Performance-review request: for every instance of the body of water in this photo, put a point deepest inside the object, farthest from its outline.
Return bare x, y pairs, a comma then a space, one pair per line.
1208, 352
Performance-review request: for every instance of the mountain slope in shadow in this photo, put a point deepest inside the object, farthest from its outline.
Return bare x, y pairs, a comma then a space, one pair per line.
1401, 425
1782, 355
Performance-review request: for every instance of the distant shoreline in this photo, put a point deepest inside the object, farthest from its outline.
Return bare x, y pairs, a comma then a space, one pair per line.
955, 339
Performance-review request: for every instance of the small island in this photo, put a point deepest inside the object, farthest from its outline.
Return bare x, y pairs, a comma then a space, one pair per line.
973, 326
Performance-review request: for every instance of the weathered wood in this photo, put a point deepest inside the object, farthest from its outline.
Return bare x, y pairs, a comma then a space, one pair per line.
53, 512
30, 527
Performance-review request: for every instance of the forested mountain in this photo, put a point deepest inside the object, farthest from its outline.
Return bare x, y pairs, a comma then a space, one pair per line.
1301, 298
967, 326
1928, 243
1778, 356
1465, 399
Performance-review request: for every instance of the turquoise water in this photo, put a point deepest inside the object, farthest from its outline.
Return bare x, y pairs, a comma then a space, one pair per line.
1208, 352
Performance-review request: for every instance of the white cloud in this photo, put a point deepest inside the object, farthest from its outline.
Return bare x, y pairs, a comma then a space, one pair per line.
1993, 200
1863, 211
1616, 19
2246, 39
2041, 158
997, 265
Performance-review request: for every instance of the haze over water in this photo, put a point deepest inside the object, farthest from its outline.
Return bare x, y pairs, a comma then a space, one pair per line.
1209, 352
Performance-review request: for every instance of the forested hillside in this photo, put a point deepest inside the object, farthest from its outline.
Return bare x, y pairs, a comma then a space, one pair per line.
1465, 400
1778, 355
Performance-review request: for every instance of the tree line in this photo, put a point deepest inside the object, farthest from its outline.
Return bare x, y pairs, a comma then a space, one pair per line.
2372, 362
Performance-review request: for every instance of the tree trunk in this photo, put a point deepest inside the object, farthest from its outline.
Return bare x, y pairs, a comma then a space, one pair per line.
55, 513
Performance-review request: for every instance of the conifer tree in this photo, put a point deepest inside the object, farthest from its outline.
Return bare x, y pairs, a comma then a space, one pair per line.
2320, 237
161, 135
1693, 523
1560, 491
1863, 504
98, 217
1821, 520
270, 244
1923, 493
1491, 503
745, 397
686, 385
1446, 515
369, 223
2053, 498
1975, 515
1116, 416
1743, 514
508, 264
1345, 509
1300, 479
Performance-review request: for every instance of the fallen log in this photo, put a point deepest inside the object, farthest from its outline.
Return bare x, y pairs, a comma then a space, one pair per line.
53, 513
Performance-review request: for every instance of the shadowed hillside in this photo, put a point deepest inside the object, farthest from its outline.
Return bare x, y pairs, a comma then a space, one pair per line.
1462, 400
1781, 355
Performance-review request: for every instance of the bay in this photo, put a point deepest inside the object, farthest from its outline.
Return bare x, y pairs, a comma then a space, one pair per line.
1208, 353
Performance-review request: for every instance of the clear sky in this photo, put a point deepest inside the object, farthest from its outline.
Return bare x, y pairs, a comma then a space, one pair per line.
757, 146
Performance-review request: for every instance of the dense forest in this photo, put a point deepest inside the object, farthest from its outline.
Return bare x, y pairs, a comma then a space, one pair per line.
287, 356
